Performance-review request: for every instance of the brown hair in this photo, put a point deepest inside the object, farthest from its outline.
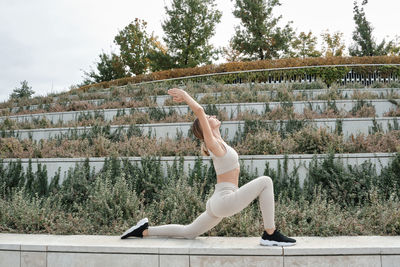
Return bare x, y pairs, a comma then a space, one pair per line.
198, 132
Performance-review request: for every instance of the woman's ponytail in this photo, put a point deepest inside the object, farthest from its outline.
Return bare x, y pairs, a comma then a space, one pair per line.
197, 131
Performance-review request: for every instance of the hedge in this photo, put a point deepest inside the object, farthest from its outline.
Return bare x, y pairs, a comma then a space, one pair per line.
328, 75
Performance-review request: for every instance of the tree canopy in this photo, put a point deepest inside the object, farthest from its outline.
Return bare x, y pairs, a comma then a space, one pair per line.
110, 67
134, 43
258, 35
364, 43
333, 44
188, 28
24, 91
304, 46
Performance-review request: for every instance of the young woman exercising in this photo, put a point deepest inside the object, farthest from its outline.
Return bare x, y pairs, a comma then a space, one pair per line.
227, 199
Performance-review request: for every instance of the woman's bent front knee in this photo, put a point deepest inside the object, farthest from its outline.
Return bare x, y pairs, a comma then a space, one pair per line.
266, 180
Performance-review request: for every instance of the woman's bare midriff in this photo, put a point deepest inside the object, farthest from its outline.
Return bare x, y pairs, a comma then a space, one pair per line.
230, 177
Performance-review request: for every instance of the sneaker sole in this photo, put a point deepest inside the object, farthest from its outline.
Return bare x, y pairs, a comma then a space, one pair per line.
275, 243
139, 224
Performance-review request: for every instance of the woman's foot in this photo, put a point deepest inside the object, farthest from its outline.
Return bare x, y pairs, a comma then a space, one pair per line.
136, 230
276, 239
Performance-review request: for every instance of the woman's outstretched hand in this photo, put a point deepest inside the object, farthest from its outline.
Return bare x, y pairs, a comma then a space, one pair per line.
178, 95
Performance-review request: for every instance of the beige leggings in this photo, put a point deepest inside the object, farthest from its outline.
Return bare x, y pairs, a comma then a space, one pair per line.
226, 201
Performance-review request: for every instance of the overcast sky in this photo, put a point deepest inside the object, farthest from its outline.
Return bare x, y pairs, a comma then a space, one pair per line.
50, 42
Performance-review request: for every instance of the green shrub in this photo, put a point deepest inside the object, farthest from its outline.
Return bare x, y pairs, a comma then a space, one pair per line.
311, 140
285, 183
110, 202
350, 186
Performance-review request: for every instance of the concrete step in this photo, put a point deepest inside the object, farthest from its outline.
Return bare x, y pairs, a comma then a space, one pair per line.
350, 126
85, 250
309, 94
381, 106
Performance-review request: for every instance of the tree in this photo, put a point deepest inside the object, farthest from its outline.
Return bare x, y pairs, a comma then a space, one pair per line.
334, 45
134, 43
159, 57
365, 44
258, 35
110, 67
304, 46
188, 29
24, 92
395, 49
231, 54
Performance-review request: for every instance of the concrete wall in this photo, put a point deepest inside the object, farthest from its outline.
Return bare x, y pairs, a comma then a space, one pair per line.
87, 251
381, 106
350, 126
309, 94
252, 163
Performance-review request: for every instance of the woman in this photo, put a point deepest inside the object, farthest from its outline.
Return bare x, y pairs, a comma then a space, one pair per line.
227, 199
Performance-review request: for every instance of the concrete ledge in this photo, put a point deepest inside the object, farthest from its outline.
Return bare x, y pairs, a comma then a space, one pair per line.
252, 163
229, 129
310, 94
381, 106
84, 250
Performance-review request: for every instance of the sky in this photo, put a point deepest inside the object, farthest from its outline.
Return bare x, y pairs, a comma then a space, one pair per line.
50, 43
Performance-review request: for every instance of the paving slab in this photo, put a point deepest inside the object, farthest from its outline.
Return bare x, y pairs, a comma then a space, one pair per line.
345, 245
10, 258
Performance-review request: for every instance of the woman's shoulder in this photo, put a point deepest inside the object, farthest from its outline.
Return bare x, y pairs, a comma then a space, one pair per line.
221, 143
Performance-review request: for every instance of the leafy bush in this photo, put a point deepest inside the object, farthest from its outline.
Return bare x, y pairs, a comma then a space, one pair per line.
363, 109
310, 140
347, 186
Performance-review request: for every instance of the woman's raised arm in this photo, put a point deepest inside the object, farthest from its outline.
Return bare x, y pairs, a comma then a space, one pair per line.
180, 95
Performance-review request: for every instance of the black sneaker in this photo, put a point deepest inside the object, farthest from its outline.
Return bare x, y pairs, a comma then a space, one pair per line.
136, 230
276, 239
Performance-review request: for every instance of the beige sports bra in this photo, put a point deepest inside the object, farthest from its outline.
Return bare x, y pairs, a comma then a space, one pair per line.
227, 162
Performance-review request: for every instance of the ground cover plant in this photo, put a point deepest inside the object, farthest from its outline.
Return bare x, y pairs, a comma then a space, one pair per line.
257, 137
334, 199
